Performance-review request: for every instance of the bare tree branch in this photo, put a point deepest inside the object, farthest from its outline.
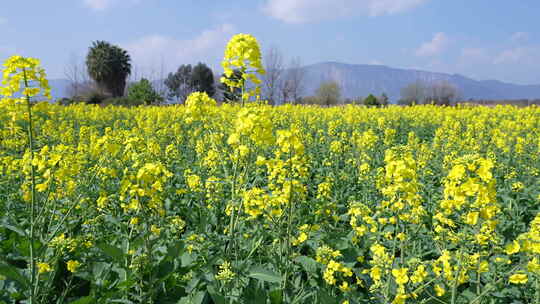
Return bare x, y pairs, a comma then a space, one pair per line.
274, 72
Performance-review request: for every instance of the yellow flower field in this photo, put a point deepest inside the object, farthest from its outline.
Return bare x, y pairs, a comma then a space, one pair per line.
258, 204
293, 204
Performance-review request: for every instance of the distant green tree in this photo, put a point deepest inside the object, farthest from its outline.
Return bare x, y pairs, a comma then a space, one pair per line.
414, 93
144, 91
309, 100
231, 94
202, 79
180, 83
109, 66
371, 100
329, 93
383, 100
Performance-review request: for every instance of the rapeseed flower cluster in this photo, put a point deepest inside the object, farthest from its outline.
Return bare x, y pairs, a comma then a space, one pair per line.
243, 53
391, 205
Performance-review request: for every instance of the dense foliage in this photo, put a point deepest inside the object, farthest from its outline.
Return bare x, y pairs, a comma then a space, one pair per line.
144, 92
371, 100
329, 93
188, 79
202, 79
109, 66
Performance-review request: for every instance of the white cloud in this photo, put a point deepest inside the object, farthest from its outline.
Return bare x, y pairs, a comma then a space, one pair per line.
209, 44
98, 5
301, 11
434, 47
520, 37
514, 55
474, 54
101, 5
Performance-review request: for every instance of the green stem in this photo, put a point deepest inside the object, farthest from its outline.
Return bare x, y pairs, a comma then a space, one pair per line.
33, 280
233, 196
243, 85
478, 279
148, 248
455, 285
537, 301
493, 285
289, 223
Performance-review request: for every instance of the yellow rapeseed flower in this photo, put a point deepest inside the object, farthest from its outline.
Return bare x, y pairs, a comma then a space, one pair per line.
512, 248
518, 278
72, 265
43, 267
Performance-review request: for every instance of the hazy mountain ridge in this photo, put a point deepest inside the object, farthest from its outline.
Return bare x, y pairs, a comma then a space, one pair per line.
364, 79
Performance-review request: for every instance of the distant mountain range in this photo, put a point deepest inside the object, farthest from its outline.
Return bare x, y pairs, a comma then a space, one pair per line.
363, 79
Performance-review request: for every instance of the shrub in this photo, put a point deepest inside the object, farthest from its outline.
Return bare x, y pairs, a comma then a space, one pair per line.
329, 93
309, 100
122, 101
66, 101
371, 101
95, 97
144, 92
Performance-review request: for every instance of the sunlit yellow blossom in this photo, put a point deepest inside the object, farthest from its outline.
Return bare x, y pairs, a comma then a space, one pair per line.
439, 290
401, 275
518, 278
512, 248
72, 265
43, 267
419, 275
225, 273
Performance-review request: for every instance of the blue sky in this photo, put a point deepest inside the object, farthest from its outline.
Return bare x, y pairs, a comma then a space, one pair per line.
482, 39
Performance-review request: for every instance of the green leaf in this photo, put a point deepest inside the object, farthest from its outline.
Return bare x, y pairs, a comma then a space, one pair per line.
165, 268
216, 297
198, 298
265, 275
113, 252
14, 274
122, 301
469, 294
122, 273
84, 300
309, 264
276, 296
14, 229
99, 270
175, 250
186, 259
253, 294
324, 297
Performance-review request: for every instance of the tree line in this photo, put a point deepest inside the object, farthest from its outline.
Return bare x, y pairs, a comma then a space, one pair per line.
108, 77
105, 78
421, 92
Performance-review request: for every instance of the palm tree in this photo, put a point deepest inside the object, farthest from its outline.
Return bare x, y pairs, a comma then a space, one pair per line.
109, 66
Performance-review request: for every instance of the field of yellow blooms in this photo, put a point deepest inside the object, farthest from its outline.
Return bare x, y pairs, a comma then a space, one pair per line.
258, 204
248, 203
